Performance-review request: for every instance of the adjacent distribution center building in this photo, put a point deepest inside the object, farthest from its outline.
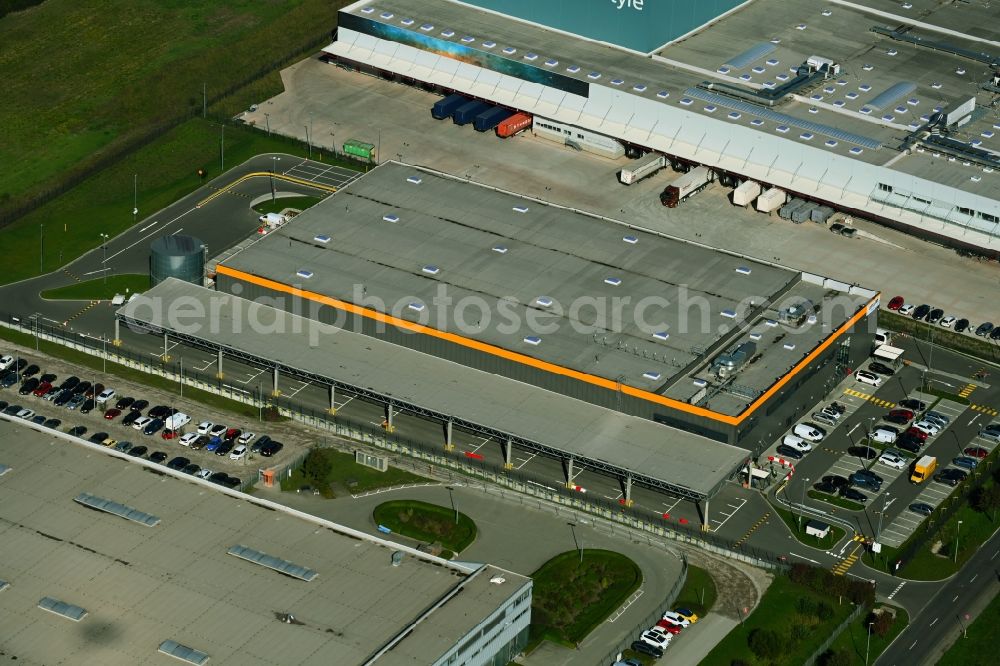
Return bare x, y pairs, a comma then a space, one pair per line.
644, 356
865, 109
106, 559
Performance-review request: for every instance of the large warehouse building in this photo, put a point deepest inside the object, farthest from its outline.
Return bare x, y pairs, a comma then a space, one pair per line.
108, 559
863, 108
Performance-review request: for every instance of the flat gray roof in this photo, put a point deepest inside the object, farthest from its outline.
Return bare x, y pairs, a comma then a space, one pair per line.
871, 64
566, 425
142, 585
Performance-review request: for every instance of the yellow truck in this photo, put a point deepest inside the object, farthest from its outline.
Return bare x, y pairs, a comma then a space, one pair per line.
922, 469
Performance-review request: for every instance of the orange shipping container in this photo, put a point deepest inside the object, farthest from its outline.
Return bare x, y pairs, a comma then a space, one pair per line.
513, 125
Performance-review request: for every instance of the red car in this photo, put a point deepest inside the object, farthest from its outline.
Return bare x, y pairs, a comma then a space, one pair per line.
42, 389
896, 303
233, 433
669, 626
976, 452
905, 413
916, 433
169, 434
112, 414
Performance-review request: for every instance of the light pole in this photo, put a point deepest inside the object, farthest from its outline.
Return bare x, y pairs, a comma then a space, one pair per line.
572, 527
451, 497
333, 142
308, 141
41, 248
957, 529
869, 643
274, 166
267, 121
104, 247
135, 197
802, 506
222, 146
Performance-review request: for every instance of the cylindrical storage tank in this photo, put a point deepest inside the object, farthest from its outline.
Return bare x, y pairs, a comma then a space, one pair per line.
179, 256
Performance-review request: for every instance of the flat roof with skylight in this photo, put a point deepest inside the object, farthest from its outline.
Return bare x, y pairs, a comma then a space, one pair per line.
86, 586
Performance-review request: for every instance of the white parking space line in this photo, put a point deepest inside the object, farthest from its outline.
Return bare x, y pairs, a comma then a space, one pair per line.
341, 405
251, 377
525, 461
733, 508
296, 391
483, 441
669, 506
207, 365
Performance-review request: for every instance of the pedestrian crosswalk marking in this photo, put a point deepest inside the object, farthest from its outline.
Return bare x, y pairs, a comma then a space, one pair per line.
870, 398
985, 410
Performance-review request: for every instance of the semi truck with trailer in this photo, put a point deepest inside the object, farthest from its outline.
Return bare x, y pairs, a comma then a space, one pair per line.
686, 185
745, 193
466, 113
642, 167
490, 118
771, 200
516, 123
444, 108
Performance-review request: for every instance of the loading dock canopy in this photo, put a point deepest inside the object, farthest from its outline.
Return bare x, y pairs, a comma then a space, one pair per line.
888, 353
655, 455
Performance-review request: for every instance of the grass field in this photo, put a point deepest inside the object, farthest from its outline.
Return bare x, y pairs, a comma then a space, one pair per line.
571, 597
850, 505
280, 204
339, 473
167, 170
853, 641
91, 76
779, 611
428, 523
963, 342
99, 289
976, 648
793, 523
698, 593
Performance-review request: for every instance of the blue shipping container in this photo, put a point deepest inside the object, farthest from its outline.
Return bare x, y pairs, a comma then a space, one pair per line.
467, 112
445, 107
489, 119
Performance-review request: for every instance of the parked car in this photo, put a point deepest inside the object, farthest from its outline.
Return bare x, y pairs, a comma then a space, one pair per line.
52, 423
26, 414
224, 448
657, 637
124, 402
950, 476
895, 418
233, 433
965, 462
28, 386
895, 302
259, 444
853, 494
948, 321
130, 418
204, 427
124, 447
81, 388
676, 617
138, 451
187, 439
217, 430
786, 451
178, 463
922, 508
917, 433
239, 452
687, 614
158, 456
914, 404
961, 326
152, 427
42, 389
99, 437
937, 417
647, 649
976, 452
63, 398
31, 370
995, 333
170, 434
158, 411
11, 410
139, 405
930, 427
75, 402
825, 487
984, 329
825, 419
87, 406
908, 443
69, 383
882, 435
669, 627
191, 468
204, 473
868, 378
104, 396
836, 480
797, 443
112, 414
863, 452
934, 316
245, 437
880, 369
78, 431
38, 419
893, 460
141, 422
907, 309
809, 432
6, 361
991, 432
271, 448
200, 442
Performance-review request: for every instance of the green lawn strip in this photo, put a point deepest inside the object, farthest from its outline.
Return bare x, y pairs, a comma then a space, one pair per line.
780, 611
963, 342
792, 521
571, 598
699, 592
836, 501
99, 289
281, 203
978, 647
426, 522
115, 370
331, 471
71, 114
944, 394
853, 642
167, 170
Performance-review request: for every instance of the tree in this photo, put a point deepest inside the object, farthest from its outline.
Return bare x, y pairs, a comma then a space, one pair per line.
882, 623
835, 658
316, 466
765, 643
986, 499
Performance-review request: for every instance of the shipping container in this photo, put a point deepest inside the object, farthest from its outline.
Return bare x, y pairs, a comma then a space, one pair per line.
771, 200
745, 193
360, 149
793, 204
691, 183
513, 125
642, 167
803, 212
444, 108
467, 112
821, 215
490, 118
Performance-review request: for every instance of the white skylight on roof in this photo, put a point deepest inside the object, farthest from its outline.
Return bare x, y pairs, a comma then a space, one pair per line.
500, 249
772, 62
856, 151
663, 94
551, 62
775, 40
867, 67
661, 335
892, 52
781, 128
743, 270
416, 306
756, 122
829, 90
724, 69
735, 115
617, 82
544, 301
888, 117
936, 85
866, 110
652, 375
813, 109
687, 101
838, 102
447, 33
769, 84
533, 340
807, 136
520, 209
489, 44
321, 238
391, 217
960, 71
367, 10
630, 239
594, 75
639, 87
509, 50
728, 314
386, 15
757, 70
407, 21
745, 77
430, 269
801, 26
831, 143
613, 281
900, 109
816, 97
468, 39
531, 57
700, 383
782, 77
573, 69
416, 180
711, 108
304, 273
827, 12
771, 323
427, 27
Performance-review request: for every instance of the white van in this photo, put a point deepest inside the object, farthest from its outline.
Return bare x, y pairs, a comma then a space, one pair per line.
883, 435
881, 336
177, 421
797, 443
808, 432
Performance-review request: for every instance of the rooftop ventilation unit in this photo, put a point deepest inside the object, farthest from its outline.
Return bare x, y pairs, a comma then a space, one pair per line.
728, 314
789, 346
498, 580
729, 363
68, 611
755, 336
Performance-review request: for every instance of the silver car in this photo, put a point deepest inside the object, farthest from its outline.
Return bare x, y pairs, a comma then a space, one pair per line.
824, 418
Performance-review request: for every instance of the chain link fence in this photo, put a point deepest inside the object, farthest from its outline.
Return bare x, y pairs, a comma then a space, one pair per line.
855, 614
425, 457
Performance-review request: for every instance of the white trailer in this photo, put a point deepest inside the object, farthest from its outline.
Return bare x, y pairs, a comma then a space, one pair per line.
646, 165
746, 193
771, 200
691, 183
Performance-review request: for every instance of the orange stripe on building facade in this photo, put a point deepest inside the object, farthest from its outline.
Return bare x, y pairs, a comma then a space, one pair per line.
534, 362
